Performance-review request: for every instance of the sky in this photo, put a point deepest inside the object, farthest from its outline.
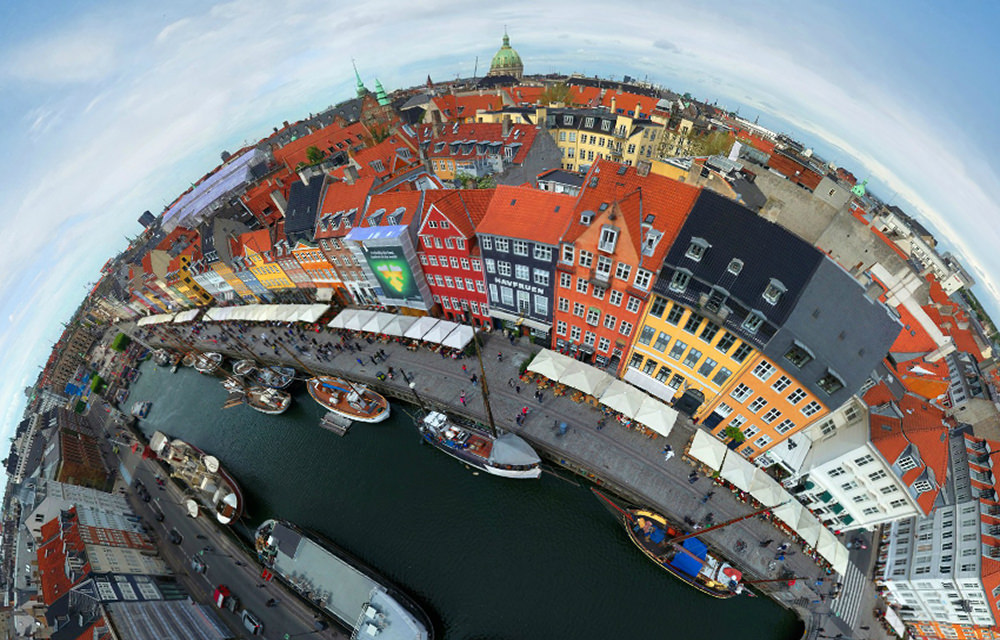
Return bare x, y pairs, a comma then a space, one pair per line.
109, 108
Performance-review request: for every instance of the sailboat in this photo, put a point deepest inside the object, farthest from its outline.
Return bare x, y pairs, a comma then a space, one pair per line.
500, 454
348, 400
683, 555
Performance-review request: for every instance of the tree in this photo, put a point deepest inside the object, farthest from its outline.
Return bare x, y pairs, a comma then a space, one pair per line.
314, 155
734, 434
717, 142
560, 92
380, 133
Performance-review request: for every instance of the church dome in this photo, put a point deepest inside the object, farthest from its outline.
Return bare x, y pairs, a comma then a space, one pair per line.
506, 62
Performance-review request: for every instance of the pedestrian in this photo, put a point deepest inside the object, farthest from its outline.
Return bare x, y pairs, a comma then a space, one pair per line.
358, 359
499, 356
519, 419
510, 383
464, 369
539, 397
766, 543
372, 358
524, 410
668, 456
517, 388
462, 397
707, 497
474, 378
512, 338
693, 477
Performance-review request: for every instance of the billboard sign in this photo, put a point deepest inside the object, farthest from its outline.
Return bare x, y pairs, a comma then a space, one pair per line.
392, 271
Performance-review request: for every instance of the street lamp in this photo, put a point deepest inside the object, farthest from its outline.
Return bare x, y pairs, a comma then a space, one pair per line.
420, 403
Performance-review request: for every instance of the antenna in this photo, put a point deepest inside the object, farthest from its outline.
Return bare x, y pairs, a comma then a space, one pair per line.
475, 70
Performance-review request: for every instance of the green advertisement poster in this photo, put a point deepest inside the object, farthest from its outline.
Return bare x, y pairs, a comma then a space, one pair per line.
392, 271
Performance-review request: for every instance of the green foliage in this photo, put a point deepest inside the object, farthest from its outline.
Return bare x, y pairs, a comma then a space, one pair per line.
711, 144
555, 93
524, 366
95, 383
380, 133
120, 343
314, 155
734, 434
486, 182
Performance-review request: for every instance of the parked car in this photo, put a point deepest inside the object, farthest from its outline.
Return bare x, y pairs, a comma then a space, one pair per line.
175, 536
251, 622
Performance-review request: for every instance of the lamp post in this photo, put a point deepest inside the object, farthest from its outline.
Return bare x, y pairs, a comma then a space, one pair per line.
420, 402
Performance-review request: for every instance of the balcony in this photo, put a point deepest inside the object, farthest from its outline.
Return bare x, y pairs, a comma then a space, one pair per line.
600, 278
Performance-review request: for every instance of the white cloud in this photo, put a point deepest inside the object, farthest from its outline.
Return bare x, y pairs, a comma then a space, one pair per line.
69, 56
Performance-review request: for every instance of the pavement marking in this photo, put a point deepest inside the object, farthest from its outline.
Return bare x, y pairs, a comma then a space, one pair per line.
847, 605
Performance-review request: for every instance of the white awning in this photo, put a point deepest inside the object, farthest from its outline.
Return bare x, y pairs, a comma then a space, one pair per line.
548, 363
358, 320
187, 316
399, 325
891, 617
840, 560
417, 330
439, 332
656, 416
789, 513
623, 398
708, 449
808, 528
460, 337
827, 546
738, 472
159, 318
584, 377
379, 321
341, 320
766, 490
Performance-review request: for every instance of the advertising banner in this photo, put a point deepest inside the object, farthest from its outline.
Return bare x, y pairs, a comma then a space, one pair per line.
392, 271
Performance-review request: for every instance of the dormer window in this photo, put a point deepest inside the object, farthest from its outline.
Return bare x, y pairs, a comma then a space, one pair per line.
798, 355
649, 243
588, 123
735, 266
586, 217
605, 125
753, 321
716, 299
773, 291
609, 238
831, 382
567, 254
680, 280
696, 250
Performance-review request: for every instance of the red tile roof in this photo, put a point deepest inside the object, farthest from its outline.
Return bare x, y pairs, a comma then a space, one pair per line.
464, 208
480, 132
453, 107
524, 95
532, 214
408, 201
60, 538
342, 197
329, 139
397, 153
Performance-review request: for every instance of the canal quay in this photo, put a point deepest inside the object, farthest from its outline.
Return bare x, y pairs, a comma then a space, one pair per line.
487, 557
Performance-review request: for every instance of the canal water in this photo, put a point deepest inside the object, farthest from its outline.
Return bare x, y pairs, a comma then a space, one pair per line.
487, 557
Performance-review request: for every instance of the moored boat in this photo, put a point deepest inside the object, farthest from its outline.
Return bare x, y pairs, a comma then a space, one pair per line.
207, 362
342, 585
506, 455
188, 359
141, 409
275, 376
213, 486
161, 357
683, 555
268, 400
244, 367
349, 400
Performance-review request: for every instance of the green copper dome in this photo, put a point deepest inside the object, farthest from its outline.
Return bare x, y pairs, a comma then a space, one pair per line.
506, 62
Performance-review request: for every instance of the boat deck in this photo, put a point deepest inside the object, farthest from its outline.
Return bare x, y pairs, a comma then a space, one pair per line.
468, 441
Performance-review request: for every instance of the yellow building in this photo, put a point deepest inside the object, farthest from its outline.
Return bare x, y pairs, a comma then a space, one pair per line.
182, 280
270, 274
241, 289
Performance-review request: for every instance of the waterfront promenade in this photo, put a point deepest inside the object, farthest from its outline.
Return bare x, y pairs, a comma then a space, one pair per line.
625, 460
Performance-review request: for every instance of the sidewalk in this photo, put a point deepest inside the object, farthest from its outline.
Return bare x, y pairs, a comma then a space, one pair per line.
624, 459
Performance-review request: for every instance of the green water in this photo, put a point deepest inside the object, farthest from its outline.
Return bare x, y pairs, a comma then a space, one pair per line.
487, 557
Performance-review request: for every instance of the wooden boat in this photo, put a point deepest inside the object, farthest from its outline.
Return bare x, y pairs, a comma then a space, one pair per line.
201, 472
683, 555
506, 455
275, 377
268, 400
207, 362
351, 401
244, 367
141, 409
161, 357
188, 359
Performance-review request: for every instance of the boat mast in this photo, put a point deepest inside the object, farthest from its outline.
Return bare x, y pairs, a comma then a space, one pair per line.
482, 379
700, 532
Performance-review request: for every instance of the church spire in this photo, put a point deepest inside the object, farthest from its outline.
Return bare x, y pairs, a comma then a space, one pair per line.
361, 85
380, 94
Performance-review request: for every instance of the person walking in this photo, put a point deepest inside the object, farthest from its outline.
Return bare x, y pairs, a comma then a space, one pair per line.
517, 388
524, 410
499, 356
692, 477
510, 383
358, 359
461, 397
707, 497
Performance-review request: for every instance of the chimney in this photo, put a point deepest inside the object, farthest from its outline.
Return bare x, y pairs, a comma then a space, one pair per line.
279, 201
505, 126
614, 105
541, 117
350, 174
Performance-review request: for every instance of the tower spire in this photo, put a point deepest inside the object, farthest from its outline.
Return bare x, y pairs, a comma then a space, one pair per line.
357, 76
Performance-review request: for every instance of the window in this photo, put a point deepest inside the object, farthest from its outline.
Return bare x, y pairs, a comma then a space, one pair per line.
503, 245
764, 370
610, 321
721, 376
541, 277
423, 259
738, 421
753, 321
458, 283
447, 282
625, 328
707, 367
567, 253
623, 271
460, 243
863, 460
646, 335
649, 367
507, 296
520, 248
604, 266
487, 243
692, 324
877, 475
598, 292
662, 341
476, 265
725, 342
709, 331
796, 396
811, 409
773, 291
542, 252
603, 344
771, 416
663, 375
784, 426
675, 315
735, 266
642, 278
741, 392
742, 352
564, 304
889, 489
541, 305
522, 272
581, 285
636, 361
677, 350
676, 381
906, 463
692, 358
837, 471
503, 268
449, 243
763, 441
831, 382
658, 306
781, 383
565, 279
615, 297
579, 309
680, 280
758, 403
574, 333
632, 306
798, 355
696, 250
593, 316
586, 259
608, 239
